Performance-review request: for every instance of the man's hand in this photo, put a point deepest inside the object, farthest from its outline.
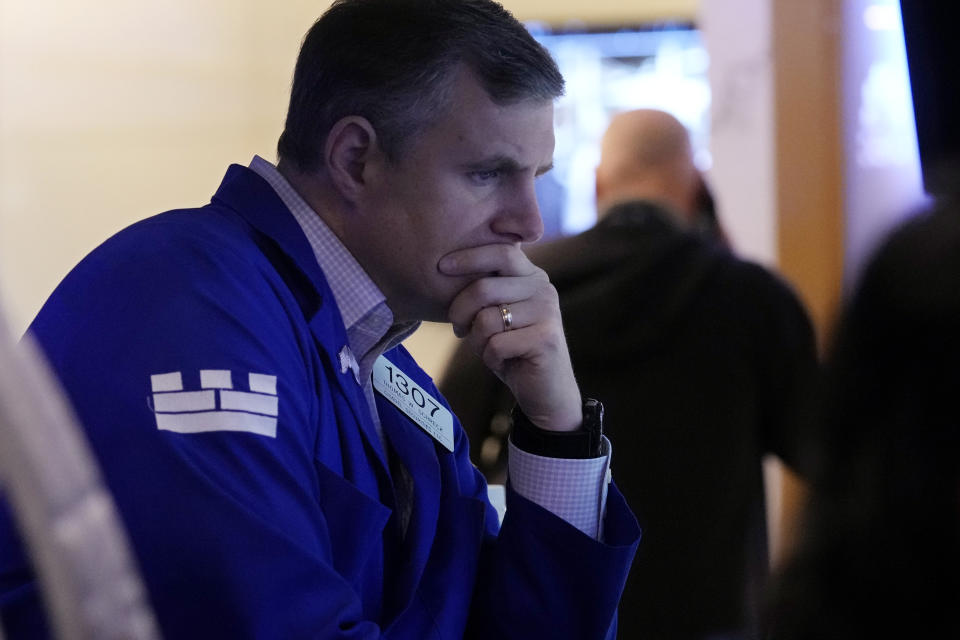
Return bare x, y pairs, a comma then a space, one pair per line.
530, 357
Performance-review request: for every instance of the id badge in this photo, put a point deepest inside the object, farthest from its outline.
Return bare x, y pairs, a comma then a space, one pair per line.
405, 394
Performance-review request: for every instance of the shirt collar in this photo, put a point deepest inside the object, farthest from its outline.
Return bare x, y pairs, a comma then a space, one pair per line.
363, 307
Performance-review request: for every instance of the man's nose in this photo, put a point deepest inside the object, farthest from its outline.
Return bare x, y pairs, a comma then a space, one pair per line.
520, 216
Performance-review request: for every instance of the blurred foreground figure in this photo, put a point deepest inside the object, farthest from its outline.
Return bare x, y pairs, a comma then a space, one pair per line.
77, 544
880, 551
704, 361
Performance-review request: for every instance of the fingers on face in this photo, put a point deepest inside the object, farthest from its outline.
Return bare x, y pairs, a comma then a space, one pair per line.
489, 321
483, 297
532, 320
483, 293
533, 341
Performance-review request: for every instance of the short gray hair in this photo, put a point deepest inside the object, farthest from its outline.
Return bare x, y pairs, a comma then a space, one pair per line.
391, 62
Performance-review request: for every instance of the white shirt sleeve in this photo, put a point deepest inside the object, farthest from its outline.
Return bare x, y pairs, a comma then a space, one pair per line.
574, 489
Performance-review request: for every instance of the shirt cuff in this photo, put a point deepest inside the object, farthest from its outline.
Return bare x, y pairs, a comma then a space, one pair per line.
574, 489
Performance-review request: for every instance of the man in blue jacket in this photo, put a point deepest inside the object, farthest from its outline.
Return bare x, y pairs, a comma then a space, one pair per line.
283, 467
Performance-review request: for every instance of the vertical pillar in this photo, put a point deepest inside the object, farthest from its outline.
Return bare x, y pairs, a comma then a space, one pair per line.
778, 164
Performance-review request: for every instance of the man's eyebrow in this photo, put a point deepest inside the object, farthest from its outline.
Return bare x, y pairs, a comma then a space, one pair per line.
506, 164
501, 163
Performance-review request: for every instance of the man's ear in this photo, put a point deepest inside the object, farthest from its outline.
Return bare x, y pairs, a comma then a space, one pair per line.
350, 144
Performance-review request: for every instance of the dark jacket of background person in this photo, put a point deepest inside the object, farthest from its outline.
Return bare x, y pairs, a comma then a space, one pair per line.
879, 555
699, 358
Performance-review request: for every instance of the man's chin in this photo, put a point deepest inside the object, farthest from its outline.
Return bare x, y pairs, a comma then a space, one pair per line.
434, 307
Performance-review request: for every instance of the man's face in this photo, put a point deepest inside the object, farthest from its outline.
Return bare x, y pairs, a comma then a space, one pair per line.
466, 181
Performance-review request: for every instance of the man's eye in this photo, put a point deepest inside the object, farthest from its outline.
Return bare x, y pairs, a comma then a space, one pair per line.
485, 176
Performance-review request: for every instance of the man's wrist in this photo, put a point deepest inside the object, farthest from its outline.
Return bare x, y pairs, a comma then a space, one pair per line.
583, 442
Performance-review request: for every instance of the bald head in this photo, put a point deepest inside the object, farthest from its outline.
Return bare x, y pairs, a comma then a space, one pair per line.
646, 154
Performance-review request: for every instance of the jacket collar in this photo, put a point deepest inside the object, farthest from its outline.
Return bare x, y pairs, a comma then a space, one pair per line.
253, 199
245, 192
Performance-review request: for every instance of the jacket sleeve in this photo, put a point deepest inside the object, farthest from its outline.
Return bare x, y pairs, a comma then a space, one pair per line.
543, 578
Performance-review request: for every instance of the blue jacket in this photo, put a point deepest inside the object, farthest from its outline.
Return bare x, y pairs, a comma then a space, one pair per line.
279, 522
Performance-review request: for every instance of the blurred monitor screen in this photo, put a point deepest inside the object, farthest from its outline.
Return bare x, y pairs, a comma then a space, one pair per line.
609, 70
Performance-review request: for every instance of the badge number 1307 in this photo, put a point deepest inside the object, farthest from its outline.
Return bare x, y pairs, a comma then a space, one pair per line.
410, 398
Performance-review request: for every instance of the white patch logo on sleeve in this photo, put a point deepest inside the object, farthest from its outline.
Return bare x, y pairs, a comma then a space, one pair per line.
217, 406
409, 397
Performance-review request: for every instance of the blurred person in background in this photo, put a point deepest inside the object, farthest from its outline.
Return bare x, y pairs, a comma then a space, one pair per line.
705, 362
879, 550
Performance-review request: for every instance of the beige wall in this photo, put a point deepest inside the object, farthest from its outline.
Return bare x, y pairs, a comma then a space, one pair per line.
737, 36
111, 111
